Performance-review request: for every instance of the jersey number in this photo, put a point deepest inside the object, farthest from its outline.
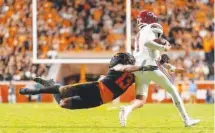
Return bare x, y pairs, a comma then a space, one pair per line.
125, 80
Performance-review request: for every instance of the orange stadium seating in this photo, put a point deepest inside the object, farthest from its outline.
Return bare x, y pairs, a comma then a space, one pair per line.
81, 25
16, 42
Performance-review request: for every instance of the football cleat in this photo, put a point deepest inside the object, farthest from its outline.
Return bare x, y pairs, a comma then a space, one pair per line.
44, 82
123, 114
26, 91
191, 122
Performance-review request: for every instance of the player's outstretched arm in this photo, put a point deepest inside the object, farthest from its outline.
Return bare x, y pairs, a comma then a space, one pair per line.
126, 68
132, 68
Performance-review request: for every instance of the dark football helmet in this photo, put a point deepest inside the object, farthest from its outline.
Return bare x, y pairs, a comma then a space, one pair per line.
122, 58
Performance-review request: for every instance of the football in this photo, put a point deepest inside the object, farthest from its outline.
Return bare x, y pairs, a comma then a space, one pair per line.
160, 41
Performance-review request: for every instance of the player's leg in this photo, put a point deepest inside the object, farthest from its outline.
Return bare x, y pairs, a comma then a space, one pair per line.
54, 89
50, 87
75, 102
77, 96
161, 79
65, 96
49, 82
81, 96
124, 111
141, 87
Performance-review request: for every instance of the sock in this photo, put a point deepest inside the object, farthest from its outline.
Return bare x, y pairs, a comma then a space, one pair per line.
128, 110
50, 89
180, 105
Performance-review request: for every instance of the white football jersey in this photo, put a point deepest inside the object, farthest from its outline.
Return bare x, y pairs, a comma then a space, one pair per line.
143, 53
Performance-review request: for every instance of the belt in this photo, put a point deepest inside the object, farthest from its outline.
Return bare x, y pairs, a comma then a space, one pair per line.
149, 68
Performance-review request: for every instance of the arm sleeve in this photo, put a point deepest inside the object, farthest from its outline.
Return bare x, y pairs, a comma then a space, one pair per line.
126, 68
153, 45
118, 67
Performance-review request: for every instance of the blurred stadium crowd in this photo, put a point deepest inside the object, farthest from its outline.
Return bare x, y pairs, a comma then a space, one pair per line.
80, 25
16, 42
189, 25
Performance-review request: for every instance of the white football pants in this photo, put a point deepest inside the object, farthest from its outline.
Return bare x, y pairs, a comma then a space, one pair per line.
143, 79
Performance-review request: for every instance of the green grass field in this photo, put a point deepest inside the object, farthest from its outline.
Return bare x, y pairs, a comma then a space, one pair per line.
153, 118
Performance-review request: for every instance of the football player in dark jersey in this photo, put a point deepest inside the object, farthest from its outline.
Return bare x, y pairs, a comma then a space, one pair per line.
93, 94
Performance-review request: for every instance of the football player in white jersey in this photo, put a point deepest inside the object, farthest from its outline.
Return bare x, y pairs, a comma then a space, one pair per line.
147, 52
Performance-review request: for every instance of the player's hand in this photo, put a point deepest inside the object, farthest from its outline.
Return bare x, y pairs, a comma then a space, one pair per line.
167, 45
179, 70
164, 59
